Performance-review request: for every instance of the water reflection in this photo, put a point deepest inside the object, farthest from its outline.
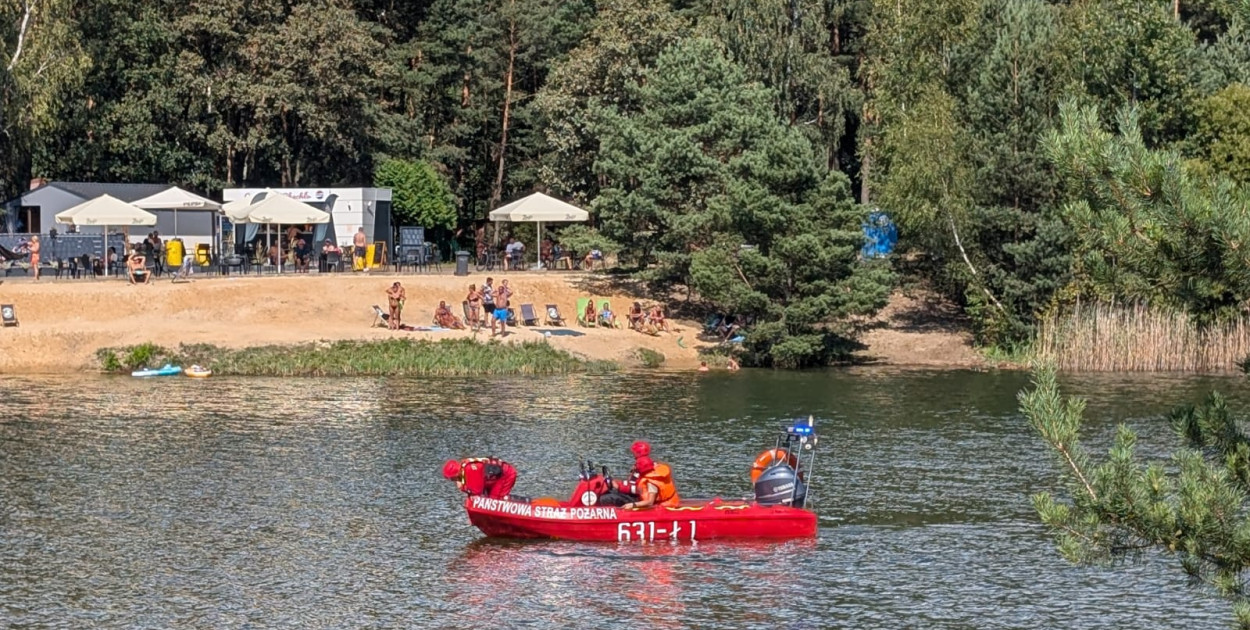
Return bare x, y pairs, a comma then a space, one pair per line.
317, 503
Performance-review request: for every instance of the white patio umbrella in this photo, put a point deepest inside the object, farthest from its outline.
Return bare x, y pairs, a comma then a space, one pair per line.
541, 209
174, 199
236, 211
105, 211
277, 209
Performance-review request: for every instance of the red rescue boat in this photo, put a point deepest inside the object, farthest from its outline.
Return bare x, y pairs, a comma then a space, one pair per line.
777, 510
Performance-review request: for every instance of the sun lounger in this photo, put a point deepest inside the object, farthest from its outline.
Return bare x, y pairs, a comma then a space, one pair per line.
380, 316
711, 327
553, 315
527, 315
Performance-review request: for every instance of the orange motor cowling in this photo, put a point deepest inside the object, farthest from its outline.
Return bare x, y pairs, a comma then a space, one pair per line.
768, 458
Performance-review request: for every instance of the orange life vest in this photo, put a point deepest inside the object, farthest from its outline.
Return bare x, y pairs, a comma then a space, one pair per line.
661, 479
770, 457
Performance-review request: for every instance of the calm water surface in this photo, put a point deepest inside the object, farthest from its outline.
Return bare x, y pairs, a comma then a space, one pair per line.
270, 503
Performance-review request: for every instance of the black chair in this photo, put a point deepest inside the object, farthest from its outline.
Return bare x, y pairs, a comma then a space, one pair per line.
410, 258
334, 262
233, 261
431, 258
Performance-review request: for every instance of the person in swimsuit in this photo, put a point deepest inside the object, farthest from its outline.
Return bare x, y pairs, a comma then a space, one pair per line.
488, 301
136, 267
34, 255
475, 305
501, 309
395, 297
359, 243
445, 318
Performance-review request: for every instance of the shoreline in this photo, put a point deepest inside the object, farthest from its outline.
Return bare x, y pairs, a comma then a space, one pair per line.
63, 323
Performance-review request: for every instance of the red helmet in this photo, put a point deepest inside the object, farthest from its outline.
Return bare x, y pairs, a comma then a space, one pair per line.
451, 469
640, 449
644, 465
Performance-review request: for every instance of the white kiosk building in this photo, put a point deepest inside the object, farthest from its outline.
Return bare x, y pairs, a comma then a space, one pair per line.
350, 209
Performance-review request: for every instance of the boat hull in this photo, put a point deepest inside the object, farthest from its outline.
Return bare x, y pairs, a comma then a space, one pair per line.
695, 521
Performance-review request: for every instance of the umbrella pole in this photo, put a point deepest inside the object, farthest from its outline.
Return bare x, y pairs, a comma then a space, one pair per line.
539, 248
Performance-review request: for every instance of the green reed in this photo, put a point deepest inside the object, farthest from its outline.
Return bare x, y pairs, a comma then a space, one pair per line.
389, 357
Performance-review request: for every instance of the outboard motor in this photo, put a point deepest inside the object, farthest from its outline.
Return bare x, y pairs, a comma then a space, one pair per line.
779, 484
781, 474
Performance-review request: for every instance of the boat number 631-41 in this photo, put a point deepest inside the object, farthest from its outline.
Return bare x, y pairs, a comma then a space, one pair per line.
648, 532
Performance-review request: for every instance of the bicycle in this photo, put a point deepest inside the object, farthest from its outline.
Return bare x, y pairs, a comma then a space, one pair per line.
487, 260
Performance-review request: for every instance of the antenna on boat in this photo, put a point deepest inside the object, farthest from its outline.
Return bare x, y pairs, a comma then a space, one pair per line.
782, 477
811, 458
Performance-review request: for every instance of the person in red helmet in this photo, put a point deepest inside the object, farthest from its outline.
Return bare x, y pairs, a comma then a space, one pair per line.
486, 476
630, 485
652, 483
655, 485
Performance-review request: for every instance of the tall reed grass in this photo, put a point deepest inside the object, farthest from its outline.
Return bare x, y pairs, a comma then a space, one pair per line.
390, 357
1138, 338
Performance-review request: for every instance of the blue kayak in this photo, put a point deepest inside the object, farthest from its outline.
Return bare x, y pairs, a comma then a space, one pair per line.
168, 370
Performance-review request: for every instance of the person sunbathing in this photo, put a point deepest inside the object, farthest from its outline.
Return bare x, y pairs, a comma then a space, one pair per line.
444, 317
635, 316
656, 317
136, 269
590, 314
607, 317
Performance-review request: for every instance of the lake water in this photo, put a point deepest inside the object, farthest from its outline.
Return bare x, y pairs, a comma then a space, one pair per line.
311, 503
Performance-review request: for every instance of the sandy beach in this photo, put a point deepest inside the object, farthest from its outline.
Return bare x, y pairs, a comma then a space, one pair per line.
64, 322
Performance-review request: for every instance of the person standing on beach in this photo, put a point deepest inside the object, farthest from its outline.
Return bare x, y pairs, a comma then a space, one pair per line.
359, 241
501, 309
395, 297
475, 306
35, 247
488, 302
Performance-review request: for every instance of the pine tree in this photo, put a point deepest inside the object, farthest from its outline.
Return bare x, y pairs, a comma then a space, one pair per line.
1192, 507
706, 181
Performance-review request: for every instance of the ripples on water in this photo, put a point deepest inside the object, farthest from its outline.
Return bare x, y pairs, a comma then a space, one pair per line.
318, 503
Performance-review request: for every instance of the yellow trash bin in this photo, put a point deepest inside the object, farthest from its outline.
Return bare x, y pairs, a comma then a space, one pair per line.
173, 252
202, 254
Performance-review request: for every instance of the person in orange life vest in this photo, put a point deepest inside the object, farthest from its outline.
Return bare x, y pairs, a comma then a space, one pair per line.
486, 476
655, 485
629, 486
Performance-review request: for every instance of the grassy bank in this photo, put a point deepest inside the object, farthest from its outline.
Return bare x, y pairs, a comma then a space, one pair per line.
390, 357
1108, 338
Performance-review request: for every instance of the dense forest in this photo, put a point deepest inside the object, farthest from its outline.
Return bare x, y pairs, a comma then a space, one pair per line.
1031, 152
